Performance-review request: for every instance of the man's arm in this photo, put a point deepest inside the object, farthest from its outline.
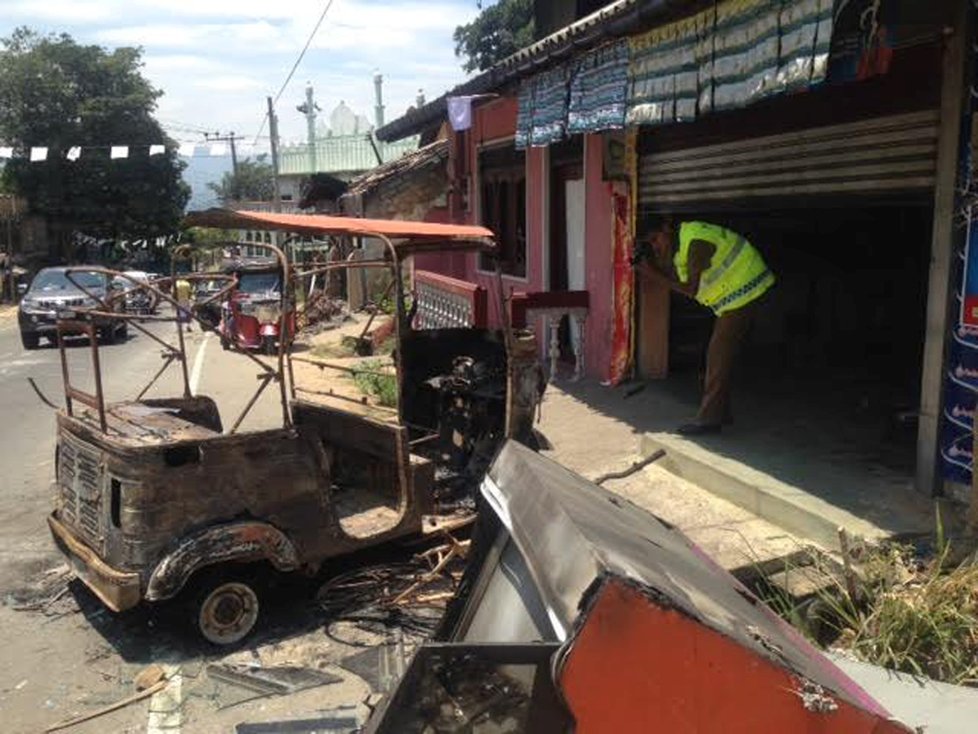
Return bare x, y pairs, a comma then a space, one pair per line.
700, 255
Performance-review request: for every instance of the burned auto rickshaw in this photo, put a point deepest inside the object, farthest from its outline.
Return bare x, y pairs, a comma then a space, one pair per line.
157, 501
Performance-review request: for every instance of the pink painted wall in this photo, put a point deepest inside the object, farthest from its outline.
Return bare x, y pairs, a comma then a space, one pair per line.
496, 120
598, 261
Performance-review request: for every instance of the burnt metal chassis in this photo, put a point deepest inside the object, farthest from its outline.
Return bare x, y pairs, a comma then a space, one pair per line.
282, 373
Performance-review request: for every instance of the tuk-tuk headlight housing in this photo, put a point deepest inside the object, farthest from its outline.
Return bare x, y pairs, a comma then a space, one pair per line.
268, 312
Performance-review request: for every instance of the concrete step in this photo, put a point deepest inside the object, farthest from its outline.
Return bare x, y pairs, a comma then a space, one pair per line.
861, 508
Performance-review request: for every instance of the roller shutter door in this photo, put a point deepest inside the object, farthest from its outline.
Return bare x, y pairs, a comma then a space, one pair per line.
884, 155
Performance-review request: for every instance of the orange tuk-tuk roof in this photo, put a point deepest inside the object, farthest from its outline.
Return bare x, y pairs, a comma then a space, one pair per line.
419, 235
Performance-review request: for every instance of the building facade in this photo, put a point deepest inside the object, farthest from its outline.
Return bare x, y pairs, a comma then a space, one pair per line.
836, 139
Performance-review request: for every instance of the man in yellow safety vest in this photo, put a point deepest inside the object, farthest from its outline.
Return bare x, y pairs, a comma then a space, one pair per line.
724, 272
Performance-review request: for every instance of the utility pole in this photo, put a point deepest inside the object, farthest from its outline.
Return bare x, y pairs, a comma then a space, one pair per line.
273, 133
230, 138
309, 108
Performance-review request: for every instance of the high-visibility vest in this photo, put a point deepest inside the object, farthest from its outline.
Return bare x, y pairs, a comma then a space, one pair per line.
737, 274
183, 290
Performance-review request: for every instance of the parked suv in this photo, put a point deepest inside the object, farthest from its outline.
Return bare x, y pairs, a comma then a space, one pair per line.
52, 293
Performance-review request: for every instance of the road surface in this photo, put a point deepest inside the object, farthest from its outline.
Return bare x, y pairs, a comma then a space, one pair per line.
73, 656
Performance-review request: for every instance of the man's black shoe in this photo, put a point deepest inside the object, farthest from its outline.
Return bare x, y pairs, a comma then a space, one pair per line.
698, 429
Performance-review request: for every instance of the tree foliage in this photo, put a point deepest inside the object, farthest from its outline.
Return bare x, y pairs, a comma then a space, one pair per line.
500, 30
57, 93
252, 182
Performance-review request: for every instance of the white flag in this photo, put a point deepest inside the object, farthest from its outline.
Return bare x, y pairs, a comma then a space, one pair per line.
74, 153
39, 154
460, 112
219, 149
6, 152
188, 149
119, 151
156, 149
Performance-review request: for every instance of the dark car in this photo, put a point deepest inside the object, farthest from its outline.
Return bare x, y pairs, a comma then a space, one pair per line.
52, 293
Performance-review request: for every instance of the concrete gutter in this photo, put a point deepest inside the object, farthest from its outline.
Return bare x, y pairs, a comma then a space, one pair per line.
932, 707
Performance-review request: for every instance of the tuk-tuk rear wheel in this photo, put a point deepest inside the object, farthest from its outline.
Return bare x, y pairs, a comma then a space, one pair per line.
268, 346
226, 611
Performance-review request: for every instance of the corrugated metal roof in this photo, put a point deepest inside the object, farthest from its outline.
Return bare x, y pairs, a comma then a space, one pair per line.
614, 20
351, 154
429, 155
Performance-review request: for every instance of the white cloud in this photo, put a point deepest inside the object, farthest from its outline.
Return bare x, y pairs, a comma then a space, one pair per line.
216, 60
229, 83
62, 11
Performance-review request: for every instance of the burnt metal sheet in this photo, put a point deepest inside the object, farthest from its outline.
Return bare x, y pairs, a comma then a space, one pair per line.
573, 534
420, 236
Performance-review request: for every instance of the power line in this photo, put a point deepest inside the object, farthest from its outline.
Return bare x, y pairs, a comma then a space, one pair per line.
295, 66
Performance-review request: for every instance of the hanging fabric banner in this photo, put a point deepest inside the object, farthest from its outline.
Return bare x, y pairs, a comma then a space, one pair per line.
740, 66
74, 153
663, 72
39, 154
524, 114
119, 151
460, 112
805, 41
157, 149
598, 89
542, 108
621, 338
730, 55
549, 107
6, 151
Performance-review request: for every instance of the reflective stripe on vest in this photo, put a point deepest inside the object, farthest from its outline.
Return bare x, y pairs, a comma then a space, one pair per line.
737, 274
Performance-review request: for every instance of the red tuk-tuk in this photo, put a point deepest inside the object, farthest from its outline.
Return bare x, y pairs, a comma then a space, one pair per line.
251, 316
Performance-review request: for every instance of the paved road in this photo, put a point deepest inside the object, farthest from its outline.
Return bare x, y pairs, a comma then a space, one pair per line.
27, 431
59, 664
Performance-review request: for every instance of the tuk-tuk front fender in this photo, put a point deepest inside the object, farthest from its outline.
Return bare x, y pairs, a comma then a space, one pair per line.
234, 542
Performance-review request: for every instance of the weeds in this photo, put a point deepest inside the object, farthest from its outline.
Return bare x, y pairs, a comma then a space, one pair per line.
897, 610
371, 380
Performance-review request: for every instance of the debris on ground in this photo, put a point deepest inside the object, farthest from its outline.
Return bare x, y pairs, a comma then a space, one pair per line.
149, 677
140, 695
273, 681
323, 314
340, 720
407, 596
635, 467
47, 594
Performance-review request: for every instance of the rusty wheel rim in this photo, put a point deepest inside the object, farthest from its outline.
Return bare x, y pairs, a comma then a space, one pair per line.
228, 613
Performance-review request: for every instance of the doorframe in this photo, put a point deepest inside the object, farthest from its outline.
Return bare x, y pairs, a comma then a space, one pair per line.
941, 310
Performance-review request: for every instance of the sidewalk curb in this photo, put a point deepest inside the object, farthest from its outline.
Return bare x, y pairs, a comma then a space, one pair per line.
797, 511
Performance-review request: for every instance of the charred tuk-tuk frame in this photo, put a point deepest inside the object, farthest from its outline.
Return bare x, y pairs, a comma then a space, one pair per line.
154, 499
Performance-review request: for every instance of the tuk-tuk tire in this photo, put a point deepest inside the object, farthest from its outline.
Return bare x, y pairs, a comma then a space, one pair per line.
225, 344
268, 346
223, 603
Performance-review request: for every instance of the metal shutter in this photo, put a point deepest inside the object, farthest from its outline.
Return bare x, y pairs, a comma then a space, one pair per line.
894, 154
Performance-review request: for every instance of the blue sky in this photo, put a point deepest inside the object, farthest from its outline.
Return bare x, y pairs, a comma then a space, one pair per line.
217, 60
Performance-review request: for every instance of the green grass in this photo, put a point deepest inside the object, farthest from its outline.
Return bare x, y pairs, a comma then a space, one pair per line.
383, 387
897, 610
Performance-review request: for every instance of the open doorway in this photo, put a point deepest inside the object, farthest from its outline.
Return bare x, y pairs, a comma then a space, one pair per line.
833, 361
567, 221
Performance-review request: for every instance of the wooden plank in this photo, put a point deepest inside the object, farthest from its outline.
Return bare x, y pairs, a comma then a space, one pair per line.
939, 309
652, 337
